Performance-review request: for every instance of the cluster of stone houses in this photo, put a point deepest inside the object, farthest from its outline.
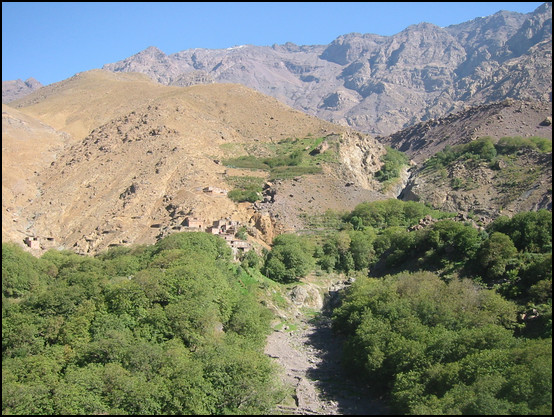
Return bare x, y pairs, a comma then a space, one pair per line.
226, 228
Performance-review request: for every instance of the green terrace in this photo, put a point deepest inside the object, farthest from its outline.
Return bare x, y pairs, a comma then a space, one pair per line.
287, 158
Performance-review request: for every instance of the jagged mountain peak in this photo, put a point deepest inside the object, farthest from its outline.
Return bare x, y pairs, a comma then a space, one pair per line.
422, 72
152, 51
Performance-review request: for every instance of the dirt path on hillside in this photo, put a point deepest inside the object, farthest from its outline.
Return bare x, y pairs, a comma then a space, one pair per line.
310, 358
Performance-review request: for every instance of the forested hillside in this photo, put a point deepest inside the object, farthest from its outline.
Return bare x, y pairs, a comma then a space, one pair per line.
454, 317
445, 316
161, 329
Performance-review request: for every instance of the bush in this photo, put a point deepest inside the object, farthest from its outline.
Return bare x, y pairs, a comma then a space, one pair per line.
530, 231
393, 161
511, 145
20, 271
496, 253
240, 196
392, 212
179, 337
289, 260
441, 348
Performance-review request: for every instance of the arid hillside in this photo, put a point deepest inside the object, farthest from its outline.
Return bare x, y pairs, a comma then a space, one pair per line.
28, 147
137, 157
105, 159
507, 183
496, 120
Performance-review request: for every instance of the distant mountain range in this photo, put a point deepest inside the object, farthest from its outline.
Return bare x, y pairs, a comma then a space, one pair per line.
374, 84
12, 90
380, 84
115, 157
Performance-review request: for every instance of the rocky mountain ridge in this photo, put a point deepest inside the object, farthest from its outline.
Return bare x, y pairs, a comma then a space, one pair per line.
12, 90
380, 84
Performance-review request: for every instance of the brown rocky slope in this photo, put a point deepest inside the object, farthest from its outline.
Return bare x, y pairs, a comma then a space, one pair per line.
138, 156
116, 159
517, 183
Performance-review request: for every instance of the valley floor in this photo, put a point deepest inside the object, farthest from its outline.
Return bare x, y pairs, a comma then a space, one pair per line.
309, 354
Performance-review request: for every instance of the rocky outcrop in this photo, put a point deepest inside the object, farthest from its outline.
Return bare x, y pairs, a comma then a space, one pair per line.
478, 188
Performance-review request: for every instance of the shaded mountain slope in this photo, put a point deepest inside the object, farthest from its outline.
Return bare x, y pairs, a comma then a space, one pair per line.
507, 184
499, 119
15, 89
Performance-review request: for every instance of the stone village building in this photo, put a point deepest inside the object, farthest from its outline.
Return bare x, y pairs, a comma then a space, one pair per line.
226, 228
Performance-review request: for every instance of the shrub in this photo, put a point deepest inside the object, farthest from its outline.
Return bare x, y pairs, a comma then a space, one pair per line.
289, 260
393, 161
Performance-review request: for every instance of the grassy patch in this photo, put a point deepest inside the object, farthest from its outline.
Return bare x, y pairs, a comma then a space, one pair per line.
287, 158
286, 325
246, 188
393, 161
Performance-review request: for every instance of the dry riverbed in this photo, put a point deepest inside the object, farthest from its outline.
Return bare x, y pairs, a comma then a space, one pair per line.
309, 354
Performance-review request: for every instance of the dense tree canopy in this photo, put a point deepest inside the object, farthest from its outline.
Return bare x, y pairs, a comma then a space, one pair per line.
444, 318
443, 348
290, 259
161, 329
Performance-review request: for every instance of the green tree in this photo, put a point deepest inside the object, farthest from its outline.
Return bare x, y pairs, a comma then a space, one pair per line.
393, 161
290, 259
495, 254
530, 231
20, 271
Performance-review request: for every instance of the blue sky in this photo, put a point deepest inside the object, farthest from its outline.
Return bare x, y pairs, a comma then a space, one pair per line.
53, 41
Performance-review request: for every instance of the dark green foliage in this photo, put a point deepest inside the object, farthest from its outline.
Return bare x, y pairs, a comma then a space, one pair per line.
392, 212
510, 145
290, 259
496, 254
443, 348
348, 251
478, 150
241, 196
454, 239
21, 272
251, 260
165, 329
530, 231
287, 158
513, 255
393, 161
191, 243
247, 189
453, 348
